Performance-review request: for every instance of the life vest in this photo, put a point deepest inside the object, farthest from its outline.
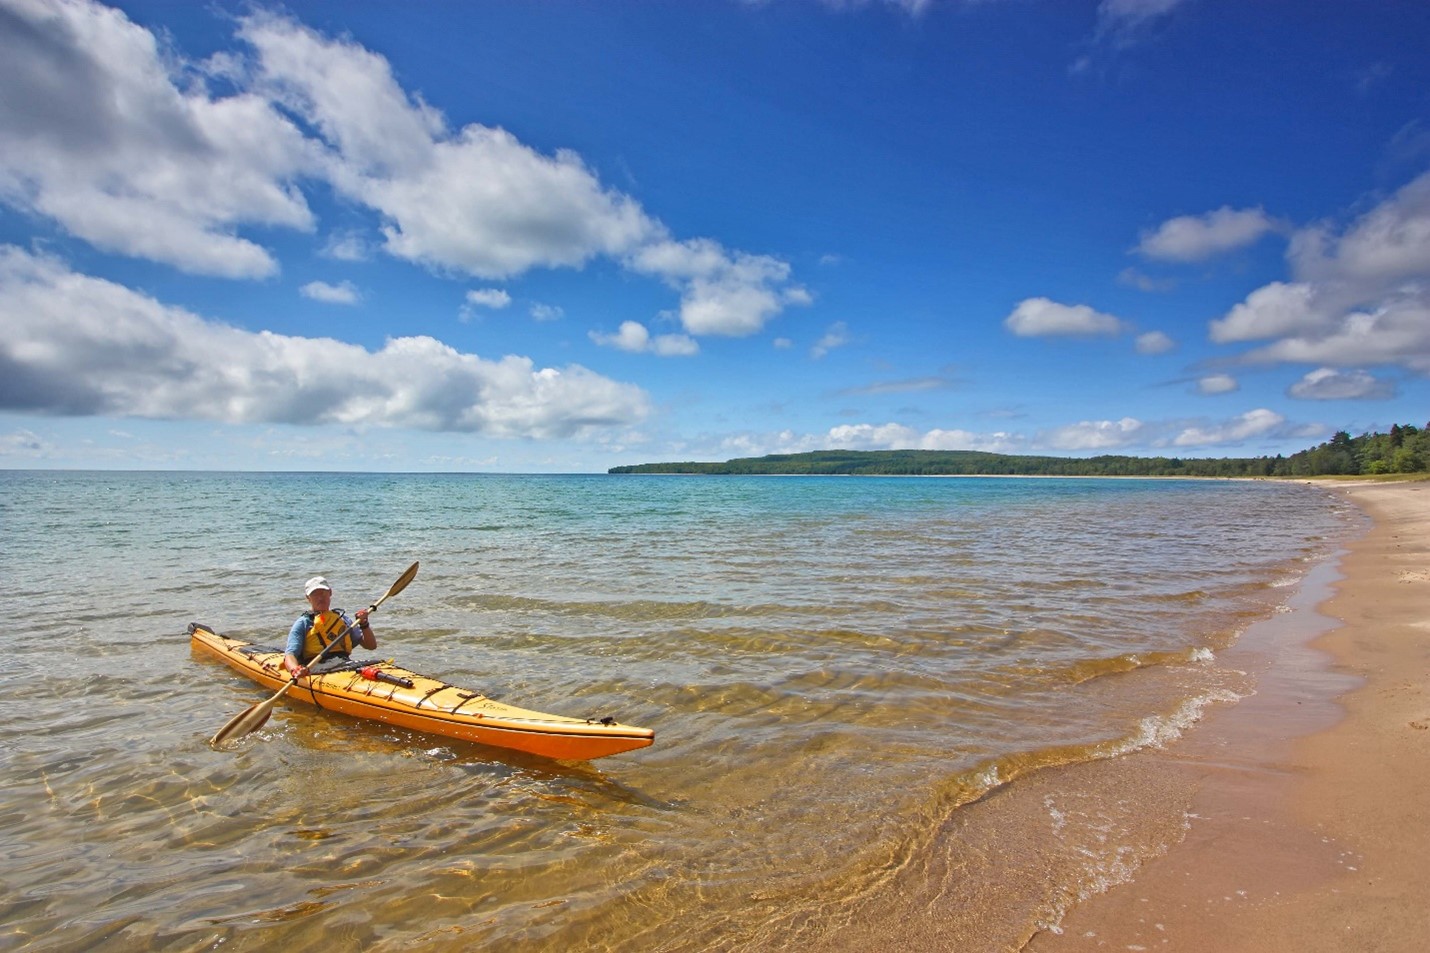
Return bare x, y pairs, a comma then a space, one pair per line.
323, 627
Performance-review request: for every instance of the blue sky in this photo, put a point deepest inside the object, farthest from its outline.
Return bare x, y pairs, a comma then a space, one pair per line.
551, 237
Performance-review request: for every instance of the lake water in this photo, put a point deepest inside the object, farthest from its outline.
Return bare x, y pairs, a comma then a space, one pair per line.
835, 668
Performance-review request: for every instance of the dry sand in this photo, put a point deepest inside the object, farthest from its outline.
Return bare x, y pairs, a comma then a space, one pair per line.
1311, 817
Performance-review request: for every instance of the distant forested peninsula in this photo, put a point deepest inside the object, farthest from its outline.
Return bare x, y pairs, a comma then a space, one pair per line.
1405, 449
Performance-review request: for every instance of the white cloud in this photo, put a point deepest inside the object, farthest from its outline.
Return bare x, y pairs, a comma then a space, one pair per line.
635, 338
1217, 384
494, 298
119, 142
1094, 435
889, 436
1198, 237
1128, 435
344, 293
1327, 383
732, 294
107, 136
546, 312
481, 202
77, 345
1270, 311
475, 201
1360, 297
1040, 317
1254, 423
1154, 342
836, 336
892, 436
1397, 332
1388, 245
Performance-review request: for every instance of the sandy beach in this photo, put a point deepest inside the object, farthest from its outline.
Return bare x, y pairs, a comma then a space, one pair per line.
1309, 827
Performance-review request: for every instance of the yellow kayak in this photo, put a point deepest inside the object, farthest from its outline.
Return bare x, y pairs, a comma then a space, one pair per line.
385, 692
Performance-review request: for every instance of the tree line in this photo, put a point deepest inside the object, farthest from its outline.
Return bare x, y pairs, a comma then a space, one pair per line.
1405, 449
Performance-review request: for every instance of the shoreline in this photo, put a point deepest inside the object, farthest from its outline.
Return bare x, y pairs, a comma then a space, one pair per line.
1308, 823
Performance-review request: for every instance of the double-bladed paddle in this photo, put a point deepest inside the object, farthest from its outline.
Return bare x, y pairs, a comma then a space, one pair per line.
254, 716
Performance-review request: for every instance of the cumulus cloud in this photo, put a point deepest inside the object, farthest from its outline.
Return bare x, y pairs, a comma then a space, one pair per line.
1396, 332
1388, 245
344, 293
1199, 237
1327, 383
733, 294
494, 298
1254, 423
546, 312
1360, 296
121, 142
479, 201
1041, 317
637, 339
106, 136
1089, 437
888, 436
1217, 384
894, 436
1270, 311
476, 200
78, 345
1094, 435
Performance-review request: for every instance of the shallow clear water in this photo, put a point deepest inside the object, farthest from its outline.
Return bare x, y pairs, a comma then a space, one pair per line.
834, 667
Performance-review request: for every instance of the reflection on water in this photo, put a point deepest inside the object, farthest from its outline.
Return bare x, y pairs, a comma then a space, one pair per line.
835, 668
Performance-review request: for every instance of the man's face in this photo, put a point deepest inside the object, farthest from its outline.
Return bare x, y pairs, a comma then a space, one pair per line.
320, 599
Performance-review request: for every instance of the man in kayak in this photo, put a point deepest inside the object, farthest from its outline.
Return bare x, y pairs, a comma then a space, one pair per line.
314, 630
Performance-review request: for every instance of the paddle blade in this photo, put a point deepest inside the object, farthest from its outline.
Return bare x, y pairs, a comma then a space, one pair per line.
244, 723
250, 719
397, 586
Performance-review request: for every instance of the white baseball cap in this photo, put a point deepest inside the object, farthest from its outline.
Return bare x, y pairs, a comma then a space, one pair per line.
314, 584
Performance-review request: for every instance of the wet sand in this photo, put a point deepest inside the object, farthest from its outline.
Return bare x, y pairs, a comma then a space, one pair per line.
1309, 824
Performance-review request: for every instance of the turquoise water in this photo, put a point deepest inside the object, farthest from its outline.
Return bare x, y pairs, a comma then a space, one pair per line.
833, 667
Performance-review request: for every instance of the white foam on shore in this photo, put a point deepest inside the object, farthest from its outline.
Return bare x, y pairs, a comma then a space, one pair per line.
1157, 731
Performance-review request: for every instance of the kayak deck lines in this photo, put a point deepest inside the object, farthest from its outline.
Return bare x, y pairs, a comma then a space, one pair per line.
426, 704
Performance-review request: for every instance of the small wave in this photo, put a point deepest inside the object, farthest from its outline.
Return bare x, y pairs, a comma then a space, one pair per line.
1086, 670
1190, 597
1152, 731
1157, 731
